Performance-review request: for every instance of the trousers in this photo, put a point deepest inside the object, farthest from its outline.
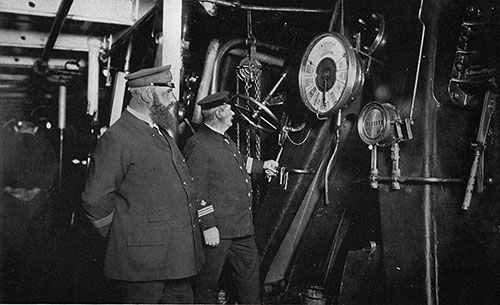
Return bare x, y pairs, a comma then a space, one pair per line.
243, 255
178, 291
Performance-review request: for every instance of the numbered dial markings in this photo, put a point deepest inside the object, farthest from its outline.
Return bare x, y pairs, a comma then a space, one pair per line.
329, 73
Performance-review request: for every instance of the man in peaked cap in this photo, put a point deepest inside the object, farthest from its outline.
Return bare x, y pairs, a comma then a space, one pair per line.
224, 187
215, 100
140, 196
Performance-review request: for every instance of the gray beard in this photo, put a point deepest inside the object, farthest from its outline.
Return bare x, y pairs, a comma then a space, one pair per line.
164, 116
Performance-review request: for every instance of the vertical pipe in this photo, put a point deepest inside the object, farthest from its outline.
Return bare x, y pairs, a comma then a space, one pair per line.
93, 77
171, 51
206, 78
427, 16
159, 51
172, 32
128, 55
61, 126
220, 53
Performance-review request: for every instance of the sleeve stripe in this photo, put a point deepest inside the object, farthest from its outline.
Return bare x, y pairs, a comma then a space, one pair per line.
205, 211
99, 223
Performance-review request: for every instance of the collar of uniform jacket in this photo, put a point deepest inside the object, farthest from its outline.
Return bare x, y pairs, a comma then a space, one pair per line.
143, 117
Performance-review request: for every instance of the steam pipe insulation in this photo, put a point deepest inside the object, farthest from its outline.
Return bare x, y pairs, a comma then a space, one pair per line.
224, 49
267, 59
61, 125
206, 78
93, 77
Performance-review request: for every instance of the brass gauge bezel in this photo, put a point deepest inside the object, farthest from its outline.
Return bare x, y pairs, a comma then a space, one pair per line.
376, 124
331, 74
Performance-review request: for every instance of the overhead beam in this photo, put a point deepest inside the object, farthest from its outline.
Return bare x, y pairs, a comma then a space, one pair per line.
122, 12
29, 39
54, 63
5, 77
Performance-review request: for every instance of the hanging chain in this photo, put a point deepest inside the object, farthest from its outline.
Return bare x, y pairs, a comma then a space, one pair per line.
248, 85
300, 142
257, 134
238, 127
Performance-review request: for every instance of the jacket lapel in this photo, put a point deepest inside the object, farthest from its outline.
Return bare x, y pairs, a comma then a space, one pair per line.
226, 143
154, 137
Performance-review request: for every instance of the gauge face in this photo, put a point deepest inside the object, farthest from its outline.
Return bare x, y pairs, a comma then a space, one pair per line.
376, 124
330, 74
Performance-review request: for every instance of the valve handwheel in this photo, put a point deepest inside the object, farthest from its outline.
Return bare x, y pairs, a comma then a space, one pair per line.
256, 113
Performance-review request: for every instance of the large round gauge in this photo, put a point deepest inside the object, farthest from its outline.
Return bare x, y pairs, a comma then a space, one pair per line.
330, 74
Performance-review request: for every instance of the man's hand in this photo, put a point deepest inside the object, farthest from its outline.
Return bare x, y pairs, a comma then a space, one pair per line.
270, 168
211, 237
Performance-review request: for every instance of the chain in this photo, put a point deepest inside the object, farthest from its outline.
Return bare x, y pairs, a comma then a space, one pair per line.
238, 127
301, 142
257, 134
248, 85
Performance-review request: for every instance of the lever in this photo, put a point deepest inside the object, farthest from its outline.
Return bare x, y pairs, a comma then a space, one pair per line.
489, 105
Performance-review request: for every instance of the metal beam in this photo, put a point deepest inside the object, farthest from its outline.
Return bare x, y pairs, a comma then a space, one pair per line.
124, 12
54, 63
28, 39
4, 77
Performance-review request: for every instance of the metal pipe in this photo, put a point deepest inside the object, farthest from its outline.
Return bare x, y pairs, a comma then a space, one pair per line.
237, 4
93, 77
62, 13
123, 38
206, 78
283, 257
62, 126
426, 180
226, 47
335, 14
128, 55
264, 58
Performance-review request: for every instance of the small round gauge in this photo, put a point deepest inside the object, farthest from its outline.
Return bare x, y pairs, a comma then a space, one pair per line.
330, 74
376, 124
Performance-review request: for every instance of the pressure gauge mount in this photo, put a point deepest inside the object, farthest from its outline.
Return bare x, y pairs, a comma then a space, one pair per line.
378, 124
330, 74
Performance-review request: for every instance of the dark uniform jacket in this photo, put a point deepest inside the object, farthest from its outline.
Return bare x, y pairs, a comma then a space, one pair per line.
140, 195
223, 182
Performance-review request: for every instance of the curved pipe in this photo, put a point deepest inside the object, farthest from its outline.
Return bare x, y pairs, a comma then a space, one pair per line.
206, 78
267, 59
341, 133
224, 49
